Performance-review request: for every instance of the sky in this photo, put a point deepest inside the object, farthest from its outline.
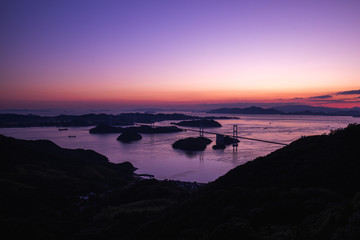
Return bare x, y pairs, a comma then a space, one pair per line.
152, 53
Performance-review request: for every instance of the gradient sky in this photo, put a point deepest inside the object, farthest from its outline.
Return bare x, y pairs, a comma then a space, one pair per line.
176, 52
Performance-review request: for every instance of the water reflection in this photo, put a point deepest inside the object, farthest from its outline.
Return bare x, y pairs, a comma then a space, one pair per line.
192, 154
181, 175
234, 157
152, 139
201, 158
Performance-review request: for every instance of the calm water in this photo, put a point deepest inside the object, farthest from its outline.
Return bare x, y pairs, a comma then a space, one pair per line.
154, 154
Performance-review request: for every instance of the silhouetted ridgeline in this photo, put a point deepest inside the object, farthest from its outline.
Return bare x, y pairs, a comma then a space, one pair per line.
250, 110
16, 120
315, 111
309, 189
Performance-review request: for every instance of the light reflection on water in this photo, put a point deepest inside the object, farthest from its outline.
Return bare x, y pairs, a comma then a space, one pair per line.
154, 154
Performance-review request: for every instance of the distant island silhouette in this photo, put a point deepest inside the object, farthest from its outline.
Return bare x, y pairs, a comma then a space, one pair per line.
290, 110
125, 119
192, 143
250, 110
106, 128
122, 119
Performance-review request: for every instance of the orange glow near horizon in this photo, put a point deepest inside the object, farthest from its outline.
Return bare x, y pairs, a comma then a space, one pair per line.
147, 97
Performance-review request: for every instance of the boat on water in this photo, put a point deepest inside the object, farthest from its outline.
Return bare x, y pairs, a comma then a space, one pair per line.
62, 129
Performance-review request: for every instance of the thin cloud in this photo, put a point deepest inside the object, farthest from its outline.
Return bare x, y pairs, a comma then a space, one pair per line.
353, 100
321, 97
349, 92
329, 100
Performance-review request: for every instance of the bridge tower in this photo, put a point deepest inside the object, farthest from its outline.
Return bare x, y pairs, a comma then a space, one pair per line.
201, 130
235, 136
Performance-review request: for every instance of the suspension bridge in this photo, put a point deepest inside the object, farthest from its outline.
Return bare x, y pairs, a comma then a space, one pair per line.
219, 136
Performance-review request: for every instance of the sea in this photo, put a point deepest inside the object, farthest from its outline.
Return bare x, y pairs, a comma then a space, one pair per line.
154, 154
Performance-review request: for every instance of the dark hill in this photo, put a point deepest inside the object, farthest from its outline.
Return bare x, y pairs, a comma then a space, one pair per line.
41, 184
47, 192
309, 189
326, 161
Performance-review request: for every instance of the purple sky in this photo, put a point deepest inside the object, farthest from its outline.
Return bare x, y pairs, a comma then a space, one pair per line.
176, 51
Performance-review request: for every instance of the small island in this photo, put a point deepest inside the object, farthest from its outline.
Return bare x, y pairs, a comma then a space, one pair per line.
206, 123
129, 135
192, 144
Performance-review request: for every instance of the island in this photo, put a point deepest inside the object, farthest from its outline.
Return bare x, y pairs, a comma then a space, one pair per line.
192, 144
206, 123
129, 135
105, 128
291, 110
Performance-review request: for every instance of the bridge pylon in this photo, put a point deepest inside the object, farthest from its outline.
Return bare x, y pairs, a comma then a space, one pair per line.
201, 130
235, 136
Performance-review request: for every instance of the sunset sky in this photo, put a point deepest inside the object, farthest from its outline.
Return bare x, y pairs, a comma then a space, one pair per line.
150, 53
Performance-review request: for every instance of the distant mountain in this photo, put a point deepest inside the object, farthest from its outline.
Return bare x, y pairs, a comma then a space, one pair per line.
302, 108
292, 110
250, 110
